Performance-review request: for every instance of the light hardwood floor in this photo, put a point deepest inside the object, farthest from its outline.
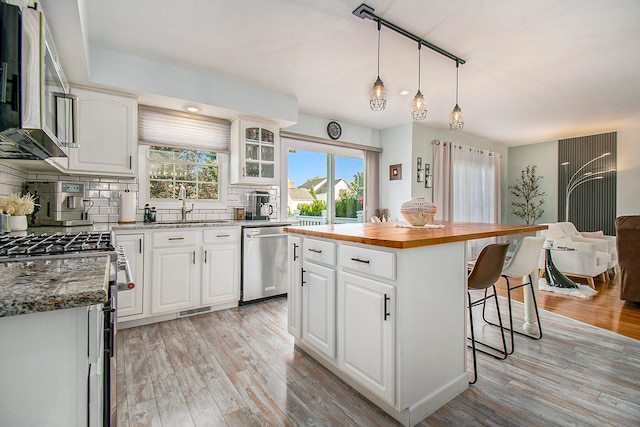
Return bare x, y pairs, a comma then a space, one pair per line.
605, 310
239, 367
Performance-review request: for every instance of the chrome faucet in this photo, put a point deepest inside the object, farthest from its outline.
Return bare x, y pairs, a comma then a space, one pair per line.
183, 196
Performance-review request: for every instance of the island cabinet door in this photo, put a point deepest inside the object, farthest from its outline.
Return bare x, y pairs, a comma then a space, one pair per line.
366, 333
294, 289
319, 308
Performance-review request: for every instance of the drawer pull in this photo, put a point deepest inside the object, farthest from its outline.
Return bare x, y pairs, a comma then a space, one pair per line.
223, 235
176, 238
317, 251
364, 261
386, 311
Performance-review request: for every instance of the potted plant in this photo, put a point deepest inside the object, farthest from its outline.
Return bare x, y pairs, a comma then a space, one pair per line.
528, 205
18, 206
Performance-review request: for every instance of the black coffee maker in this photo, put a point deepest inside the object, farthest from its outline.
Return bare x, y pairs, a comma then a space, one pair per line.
258, 205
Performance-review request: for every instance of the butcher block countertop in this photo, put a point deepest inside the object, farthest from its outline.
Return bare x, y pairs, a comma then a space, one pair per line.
393, 236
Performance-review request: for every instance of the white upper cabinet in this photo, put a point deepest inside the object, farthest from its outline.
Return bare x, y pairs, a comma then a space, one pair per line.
107, 134
255, 148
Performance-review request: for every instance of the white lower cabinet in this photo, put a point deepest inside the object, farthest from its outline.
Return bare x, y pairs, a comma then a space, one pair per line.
194, 268
319, 307
51, 368
174, 279
130, 302
366, 332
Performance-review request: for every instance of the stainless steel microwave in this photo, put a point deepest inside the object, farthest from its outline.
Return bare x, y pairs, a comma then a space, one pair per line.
36, 108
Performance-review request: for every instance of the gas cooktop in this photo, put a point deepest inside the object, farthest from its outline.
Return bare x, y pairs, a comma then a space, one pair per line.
88, 242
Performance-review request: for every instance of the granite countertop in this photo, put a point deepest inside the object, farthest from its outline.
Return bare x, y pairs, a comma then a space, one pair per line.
52, 284
390, 235
197, 224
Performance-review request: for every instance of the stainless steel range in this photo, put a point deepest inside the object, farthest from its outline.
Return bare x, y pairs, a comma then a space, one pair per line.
82, 244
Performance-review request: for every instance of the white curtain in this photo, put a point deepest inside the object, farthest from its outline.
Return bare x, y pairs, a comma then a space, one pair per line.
467, 186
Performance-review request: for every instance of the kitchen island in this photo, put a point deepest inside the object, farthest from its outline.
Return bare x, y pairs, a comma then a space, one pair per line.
383, 307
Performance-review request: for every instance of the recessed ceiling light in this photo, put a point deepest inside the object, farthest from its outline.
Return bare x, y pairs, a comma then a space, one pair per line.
404, 92
191, 108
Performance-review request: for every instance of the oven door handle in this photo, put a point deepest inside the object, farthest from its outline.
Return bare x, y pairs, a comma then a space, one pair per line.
123, 265
128, 284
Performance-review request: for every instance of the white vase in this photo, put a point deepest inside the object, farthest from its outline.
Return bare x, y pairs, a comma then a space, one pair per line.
18, 223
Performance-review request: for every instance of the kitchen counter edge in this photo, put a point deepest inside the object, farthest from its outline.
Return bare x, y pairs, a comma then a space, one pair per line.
391, 236
38, 285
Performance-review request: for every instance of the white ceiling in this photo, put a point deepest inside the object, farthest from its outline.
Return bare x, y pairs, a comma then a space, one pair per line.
536, 70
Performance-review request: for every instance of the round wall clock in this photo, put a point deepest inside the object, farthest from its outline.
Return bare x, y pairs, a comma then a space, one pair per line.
334, 130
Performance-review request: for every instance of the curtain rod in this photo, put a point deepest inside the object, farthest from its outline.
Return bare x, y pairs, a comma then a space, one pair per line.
366, 12
308, 138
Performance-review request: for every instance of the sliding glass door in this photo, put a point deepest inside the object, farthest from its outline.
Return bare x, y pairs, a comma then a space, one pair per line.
325, 184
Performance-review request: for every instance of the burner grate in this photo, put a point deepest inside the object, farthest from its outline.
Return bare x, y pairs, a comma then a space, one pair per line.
55, 244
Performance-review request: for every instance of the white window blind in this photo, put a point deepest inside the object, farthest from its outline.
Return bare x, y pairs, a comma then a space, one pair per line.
181, 130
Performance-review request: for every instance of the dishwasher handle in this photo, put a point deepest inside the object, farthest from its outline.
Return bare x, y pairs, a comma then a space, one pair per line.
265, 236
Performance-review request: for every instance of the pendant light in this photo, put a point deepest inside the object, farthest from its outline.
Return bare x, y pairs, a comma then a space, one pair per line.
456, 121
378, 99
419, 106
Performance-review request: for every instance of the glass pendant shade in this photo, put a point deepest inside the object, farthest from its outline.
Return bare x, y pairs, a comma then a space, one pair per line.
378, 98
419, 107
456, 121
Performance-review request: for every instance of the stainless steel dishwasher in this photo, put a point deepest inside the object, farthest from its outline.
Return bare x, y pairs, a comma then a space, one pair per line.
264, 262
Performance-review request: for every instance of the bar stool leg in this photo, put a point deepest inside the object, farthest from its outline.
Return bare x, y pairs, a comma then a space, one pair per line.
510, 328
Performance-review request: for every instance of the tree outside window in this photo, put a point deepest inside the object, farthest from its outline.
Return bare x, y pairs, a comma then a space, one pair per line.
169, 168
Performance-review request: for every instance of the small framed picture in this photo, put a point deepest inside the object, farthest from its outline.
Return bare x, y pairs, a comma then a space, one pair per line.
419, 170
395, 172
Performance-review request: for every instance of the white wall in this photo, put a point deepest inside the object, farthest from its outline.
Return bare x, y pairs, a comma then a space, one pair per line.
133, 73
317, 126
628, 197
545, 156
396, 143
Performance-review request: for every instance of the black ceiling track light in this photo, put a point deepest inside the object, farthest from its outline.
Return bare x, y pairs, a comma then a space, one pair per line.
367, 12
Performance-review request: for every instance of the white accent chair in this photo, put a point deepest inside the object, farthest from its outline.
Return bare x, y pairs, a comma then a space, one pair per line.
607, 244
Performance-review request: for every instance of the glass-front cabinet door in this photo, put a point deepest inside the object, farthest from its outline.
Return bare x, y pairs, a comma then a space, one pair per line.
254, 152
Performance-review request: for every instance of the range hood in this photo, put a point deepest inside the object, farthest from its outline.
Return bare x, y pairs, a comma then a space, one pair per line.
36, 110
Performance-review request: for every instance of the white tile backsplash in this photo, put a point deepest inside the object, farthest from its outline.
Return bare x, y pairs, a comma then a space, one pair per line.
105, 195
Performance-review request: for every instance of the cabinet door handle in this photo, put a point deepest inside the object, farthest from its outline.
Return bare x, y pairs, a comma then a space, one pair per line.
140, 246
176, 238
295, 252
205, 257
223, 235
317, 251
302, 282
193, 257
386, 313
364, 261
130, 162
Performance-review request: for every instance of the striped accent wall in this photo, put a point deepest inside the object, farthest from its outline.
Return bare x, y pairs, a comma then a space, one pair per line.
592, 205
